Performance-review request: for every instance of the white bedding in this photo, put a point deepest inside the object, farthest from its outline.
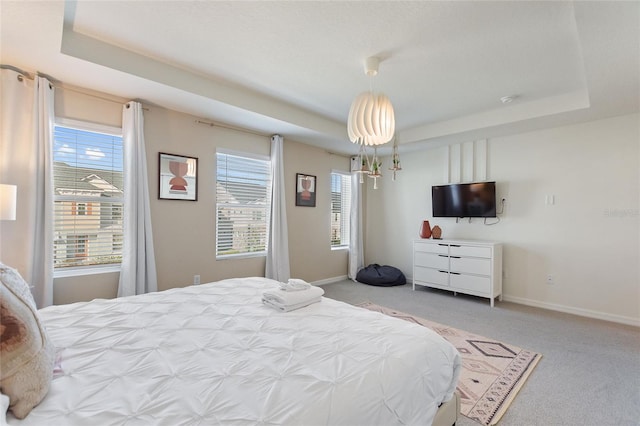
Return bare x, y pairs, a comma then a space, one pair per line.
214, 354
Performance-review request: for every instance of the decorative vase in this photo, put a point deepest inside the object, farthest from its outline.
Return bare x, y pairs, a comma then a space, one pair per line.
436, 232
425, 230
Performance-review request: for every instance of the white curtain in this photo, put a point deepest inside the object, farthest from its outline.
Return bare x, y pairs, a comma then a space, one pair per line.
356, 250
277, 266
27, 118
138, 270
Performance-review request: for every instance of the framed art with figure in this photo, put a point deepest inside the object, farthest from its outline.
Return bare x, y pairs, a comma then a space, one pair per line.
305, 190
178, 178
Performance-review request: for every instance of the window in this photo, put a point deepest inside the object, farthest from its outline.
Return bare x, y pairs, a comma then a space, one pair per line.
88, 195
243, 204
340, 209
117, 242
82, 209
77, 246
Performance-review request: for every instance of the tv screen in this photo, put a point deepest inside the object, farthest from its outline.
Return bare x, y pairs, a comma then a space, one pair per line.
476, 199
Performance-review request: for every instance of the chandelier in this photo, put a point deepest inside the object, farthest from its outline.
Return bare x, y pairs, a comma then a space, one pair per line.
371, 122
371, 119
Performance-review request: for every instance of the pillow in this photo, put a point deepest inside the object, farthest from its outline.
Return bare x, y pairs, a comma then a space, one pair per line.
26, 354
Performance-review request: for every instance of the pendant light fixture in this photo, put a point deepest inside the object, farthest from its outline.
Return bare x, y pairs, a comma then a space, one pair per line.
371, 119
372, 123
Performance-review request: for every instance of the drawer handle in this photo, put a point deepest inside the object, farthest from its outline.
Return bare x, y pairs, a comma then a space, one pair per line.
455, 245
444, 245
455, 257
455, 273
444, 272
443, 255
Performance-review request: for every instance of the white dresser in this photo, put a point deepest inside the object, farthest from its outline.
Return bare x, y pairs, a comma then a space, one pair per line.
470, 267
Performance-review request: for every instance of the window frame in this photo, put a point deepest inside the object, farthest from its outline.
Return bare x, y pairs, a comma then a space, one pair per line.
81, 270
343, 246
267, 214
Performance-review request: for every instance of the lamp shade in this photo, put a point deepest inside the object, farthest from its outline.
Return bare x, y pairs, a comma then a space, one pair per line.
371, 119
8, 202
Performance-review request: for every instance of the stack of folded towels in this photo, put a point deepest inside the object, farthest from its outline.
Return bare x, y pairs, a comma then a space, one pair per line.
294, 294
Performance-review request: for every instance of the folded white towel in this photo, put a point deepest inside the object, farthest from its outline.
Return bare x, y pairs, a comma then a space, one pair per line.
295, 284
288, 308
290, 298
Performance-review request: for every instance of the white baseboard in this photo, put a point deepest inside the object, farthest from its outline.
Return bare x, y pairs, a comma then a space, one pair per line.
575, 311
330, 280
620, 319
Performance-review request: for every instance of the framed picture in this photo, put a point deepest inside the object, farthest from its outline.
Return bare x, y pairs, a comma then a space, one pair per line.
305, 190
178, 178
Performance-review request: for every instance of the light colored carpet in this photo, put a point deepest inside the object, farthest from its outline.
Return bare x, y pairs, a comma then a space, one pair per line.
590, 373
492, 371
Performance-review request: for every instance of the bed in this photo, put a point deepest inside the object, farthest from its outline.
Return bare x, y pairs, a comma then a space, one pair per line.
214, 354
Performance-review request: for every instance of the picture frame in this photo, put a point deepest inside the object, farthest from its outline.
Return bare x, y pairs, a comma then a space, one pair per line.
305, 190
177, 177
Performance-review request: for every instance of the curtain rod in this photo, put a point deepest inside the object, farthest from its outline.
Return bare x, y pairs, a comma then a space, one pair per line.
62, 87
18, 70
58, 85
226, 126
82, 92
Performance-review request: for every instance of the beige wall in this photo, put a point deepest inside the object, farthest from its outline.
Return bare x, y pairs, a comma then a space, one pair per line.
588, 240
309, 227
184, 231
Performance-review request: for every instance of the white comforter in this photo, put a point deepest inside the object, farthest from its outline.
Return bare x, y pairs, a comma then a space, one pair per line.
214, 354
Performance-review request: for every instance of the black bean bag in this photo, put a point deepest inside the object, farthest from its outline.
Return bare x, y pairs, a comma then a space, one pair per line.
383, 276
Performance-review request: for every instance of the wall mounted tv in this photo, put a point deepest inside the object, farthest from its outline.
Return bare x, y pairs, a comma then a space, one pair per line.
476, 199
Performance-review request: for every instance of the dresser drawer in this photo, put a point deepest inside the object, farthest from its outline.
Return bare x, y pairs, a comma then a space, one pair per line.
471, 265
428, 275
432, 260
472, 283
432, 248
474, 251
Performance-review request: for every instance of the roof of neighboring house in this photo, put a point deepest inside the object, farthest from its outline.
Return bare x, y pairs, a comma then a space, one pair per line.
107, 182
243, 192
86, 180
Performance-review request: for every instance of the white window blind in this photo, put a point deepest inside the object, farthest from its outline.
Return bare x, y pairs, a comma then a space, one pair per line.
243, 205
340, 208
88, 197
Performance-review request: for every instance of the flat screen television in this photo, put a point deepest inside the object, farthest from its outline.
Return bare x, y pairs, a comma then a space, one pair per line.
477, 199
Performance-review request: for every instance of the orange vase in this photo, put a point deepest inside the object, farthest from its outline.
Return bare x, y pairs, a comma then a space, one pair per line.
425, 230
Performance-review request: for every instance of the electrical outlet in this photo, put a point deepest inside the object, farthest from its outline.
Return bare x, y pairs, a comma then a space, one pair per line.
196, 279
550, 279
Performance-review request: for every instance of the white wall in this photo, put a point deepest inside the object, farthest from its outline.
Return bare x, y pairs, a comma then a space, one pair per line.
588, 240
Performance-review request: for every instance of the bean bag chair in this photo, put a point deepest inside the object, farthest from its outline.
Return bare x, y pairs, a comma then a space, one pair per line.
383, 276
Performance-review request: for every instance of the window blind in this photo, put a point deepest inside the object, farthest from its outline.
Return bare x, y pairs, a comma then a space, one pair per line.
243, 189
340, 208
88, 197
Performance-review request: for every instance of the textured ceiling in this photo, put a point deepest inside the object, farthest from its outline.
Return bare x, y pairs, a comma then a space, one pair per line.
294, 67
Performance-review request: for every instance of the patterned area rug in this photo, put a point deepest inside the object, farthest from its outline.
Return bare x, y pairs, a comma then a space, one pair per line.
492, 372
